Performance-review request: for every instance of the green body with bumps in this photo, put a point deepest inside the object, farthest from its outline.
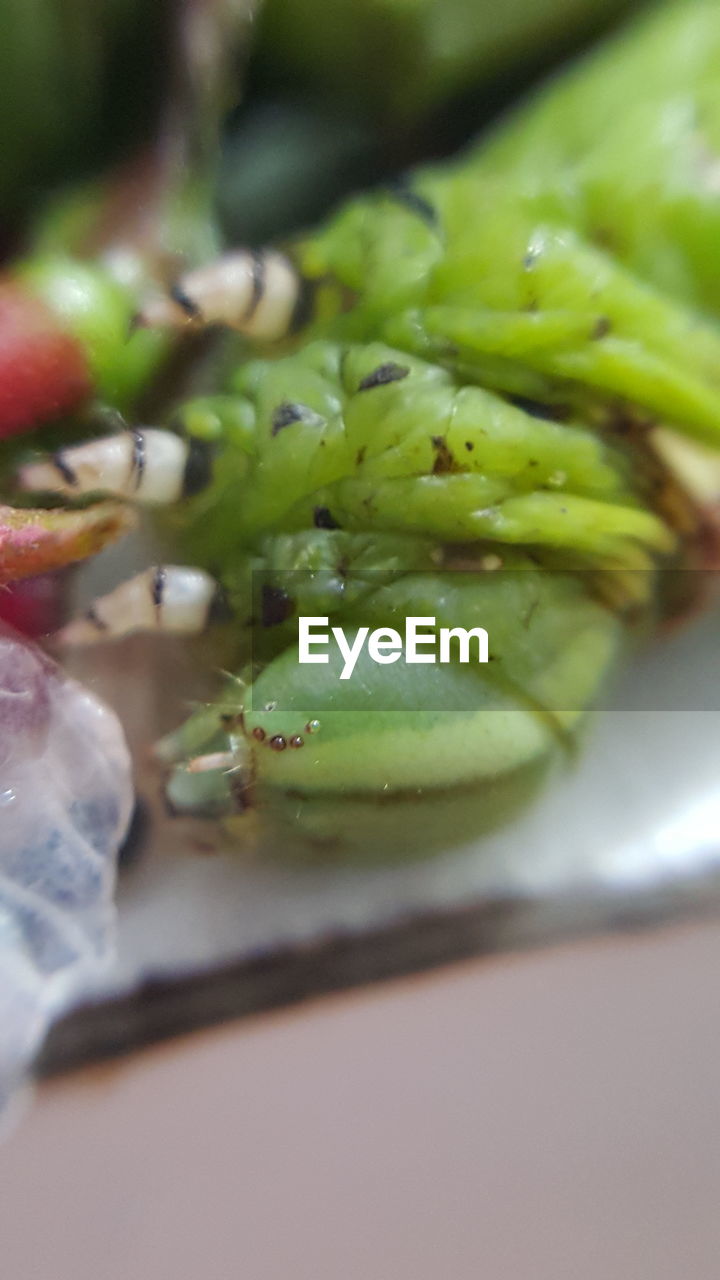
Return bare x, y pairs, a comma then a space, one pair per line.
488, 345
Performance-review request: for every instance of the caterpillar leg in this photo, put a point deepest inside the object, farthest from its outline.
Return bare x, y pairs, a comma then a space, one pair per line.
167, 598
147, 465
256, 292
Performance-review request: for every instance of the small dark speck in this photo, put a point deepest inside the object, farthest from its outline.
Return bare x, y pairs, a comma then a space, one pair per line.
360, 455
530, 258
323, 519
444, 458
381, 376
469, 446
286, 414
602, 327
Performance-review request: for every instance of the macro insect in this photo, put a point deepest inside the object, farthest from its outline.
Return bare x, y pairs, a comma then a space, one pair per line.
460, 398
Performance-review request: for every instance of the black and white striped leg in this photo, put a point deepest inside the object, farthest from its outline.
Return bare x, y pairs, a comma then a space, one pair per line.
147, 465
259, 293
165, 598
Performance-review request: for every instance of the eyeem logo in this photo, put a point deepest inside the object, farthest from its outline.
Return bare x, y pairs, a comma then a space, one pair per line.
385, 645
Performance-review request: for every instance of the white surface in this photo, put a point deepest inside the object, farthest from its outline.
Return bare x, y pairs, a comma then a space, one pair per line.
552, 1117
639, 815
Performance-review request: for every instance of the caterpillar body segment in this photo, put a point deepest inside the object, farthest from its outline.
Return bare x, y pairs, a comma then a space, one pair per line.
409, 454
350, 773
512, 300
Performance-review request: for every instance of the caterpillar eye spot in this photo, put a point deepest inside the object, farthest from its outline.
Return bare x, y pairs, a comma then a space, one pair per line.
278, 743
297, 741
312, 726
259, 734
286, 414
323, 519
277, 606
384, 374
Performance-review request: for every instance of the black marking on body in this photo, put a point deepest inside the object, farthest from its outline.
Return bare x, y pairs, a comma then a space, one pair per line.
384, 374
323, 519
536, 409
93, 617
286, 414
444, 463
404, 194
302, 311
198, 467
157, 589
139, 457
276, 606
219, 610
63, 467
185, 302
257, 281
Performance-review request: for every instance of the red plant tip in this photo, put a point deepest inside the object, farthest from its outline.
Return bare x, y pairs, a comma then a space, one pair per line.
43, 370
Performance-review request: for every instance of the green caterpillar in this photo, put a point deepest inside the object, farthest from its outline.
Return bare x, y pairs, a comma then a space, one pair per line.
460, 424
